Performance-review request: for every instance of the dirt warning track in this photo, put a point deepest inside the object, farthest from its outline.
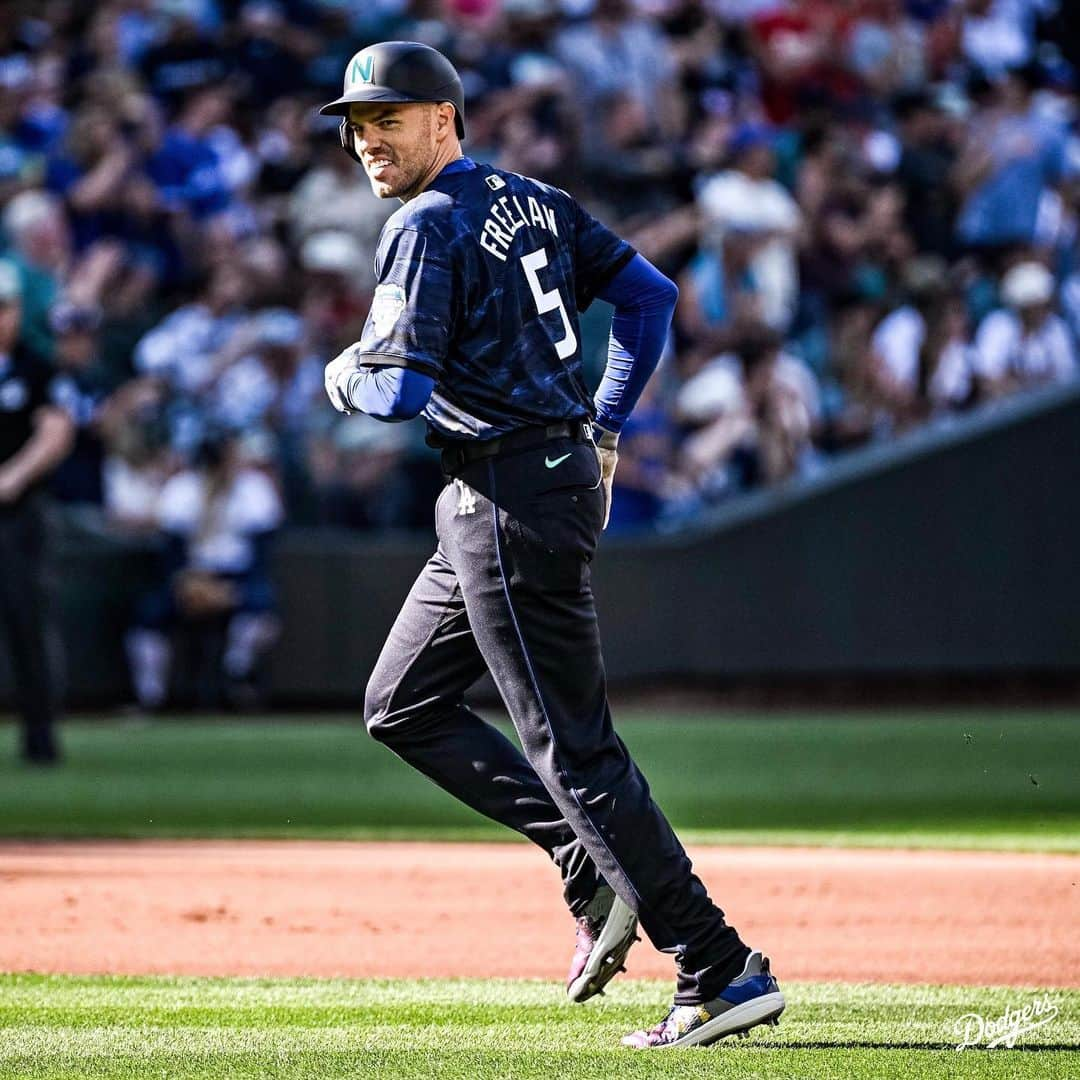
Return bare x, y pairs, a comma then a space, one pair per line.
432, 910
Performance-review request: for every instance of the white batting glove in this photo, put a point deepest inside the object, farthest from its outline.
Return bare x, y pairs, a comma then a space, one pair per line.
336, 379
606, 442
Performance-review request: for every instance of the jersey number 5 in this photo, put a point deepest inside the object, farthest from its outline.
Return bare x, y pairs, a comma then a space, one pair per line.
550, 300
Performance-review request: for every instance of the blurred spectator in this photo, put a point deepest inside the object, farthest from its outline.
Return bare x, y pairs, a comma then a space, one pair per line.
996, 34
186, 56
927, 157
616, 51
853, 179
921, 353
754, 225
333, 305
794, 45
276, 385
138, 463
268, 52
89, 173
632, 172
34, 437
759, 427
1013, 157
335, 196
218, 518
1025, 343
39, 237
886, 48
81, 389
372, 481
185, 168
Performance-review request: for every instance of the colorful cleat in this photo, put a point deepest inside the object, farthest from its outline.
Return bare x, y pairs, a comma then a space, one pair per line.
605, 934
751, 999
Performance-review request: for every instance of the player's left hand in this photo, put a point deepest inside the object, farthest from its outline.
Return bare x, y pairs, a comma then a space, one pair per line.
336, 379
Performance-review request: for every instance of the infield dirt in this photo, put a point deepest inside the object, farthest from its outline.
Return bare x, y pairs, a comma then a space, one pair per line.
490, 910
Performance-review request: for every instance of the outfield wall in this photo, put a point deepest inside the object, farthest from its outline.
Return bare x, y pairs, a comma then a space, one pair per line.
952, 553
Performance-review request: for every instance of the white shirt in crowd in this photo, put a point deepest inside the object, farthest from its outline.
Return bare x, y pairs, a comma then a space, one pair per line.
183, 348
131, 492
1002, 348
248, 390
735, 202
898, 342
717, 389
220, 532
1001, 38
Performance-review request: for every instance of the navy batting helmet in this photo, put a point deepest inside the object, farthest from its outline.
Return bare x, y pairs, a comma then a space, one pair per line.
397, 71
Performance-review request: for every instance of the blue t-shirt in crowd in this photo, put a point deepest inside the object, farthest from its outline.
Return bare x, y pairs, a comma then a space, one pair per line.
1029, 155
188, 174
481, 279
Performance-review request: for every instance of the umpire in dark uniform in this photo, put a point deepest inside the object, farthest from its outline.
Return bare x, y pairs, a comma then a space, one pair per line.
474, 323
35, 435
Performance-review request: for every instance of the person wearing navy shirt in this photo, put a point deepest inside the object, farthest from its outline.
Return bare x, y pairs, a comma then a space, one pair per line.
474, 325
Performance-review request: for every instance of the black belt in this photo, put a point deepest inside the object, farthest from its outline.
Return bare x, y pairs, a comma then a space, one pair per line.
456, 455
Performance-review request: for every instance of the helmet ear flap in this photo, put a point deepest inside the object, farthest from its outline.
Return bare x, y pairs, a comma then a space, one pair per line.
347, 140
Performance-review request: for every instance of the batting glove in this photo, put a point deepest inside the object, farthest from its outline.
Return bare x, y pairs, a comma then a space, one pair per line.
606, 442
336, 379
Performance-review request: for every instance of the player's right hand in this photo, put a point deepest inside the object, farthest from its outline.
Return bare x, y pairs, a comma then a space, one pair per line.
336, 379
609, 458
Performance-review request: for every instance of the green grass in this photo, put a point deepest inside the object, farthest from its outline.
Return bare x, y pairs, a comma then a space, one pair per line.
53, 1027
1005, 779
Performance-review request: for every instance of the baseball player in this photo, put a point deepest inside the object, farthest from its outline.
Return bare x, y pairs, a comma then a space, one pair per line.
474, 324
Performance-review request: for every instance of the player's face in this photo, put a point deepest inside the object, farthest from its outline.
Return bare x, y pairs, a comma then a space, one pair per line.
396, 143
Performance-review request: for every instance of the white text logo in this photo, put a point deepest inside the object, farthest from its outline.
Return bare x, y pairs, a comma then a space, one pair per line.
466, 503
1004, 1030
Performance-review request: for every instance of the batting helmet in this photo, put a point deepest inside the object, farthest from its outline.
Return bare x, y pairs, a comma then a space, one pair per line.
397, 71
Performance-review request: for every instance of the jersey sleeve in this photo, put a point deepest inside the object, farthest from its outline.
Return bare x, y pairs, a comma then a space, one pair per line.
411, 316
598, 256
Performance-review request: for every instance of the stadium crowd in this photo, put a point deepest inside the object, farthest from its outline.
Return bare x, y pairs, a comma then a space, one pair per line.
870, 207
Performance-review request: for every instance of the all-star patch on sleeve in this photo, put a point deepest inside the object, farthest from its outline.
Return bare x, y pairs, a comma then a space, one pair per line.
411, 314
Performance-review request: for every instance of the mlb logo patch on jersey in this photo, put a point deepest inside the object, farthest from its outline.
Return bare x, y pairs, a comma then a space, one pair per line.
494, 182
386, 307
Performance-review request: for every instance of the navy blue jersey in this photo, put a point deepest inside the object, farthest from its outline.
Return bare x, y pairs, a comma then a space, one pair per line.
26, 385
481, 279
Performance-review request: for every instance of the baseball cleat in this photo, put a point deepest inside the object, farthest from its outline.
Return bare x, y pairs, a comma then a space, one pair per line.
605, 934
751, 999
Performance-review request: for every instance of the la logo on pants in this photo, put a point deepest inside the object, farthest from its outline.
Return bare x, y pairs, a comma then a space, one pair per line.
466, 503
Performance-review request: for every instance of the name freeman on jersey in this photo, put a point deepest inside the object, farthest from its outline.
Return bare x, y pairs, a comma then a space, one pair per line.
507, 216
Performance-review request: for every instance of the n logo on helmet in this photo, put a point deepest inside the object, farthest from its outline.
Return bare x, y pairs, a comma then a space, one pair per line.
362, 70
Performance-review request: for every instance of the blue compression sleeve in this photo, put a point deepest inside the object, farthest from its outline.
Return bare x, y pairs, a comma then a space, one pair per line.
644, 302
389, 393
